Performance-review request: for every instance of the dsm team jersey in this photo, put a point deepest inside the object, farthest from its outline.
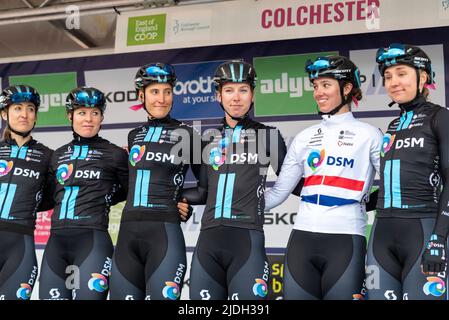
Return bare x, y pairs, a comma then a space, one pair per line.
23, 174
414, 161
338, 159
88, 176
235, 176
159, 155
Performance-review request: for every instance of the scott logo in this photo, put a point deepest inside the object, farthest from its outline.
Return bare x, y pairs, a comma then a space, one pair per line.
390, 295
205, 295
340, 161
410, 143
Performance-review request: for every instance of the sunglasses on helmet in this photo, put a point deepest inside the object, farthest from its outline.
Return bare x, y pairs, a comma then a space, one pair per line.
84, 99
393, 51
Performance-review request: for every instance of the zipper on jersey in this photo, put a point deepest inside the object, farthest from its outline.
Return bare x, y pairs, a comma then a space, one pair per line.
404, 119
71, 180
319, 194
224, 192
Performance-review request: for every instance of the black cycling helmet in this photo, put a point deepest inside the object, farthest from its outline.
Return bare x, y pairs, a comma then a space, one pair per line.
412, 56
235, 71
88, 97
337, 67
155, 73
18, 94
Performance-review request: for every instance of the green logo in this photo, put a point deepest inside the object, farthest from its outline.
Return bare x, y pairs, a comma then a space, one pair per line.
146, 30
53, 89
283, 85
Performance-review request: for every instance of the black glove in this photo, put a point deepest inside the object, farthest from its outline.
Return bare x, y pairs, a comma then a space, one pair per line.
189, 213
434, 256
372, 202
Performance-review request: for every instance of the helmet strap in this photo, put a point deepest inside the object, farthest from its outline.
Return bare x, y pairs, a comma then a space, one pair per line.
237, 118
344, 101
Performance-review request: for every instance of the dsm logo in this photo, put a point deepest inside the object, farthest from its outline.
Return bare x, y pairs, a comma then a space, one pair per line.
340, 162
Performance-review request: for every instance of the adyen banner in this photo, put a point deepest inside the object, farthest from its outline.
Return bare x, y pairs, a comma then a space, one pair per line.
283, 85
195, 92
53, 89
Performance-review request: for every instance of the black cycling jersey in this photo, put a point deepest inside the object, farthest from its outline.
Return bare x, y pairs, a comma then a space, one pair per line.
415, 163
88, 175
23, 173
159, 155
234, 179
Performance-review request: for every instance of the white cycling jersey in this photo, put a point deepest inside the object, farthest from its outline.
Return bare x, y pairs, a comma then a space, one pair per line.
337, 158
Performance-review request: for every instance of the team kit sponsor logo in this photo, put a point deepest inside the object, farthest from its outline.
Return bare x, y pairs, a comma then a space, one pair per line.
135, 154
218, 154
172, 289
98, 282
316, 158
387, 142
24, 292
434, 286
63, 172
5, 167
25, 289
390, 139
260, 287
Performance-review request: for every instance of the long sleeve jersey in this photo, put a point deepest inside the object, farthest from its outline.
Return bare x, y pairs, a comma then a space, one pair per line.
337, 159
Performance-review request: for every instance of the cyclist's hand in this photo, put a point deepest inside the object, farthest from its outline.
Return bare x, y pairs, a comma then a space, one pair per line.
185, 210
433, 259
